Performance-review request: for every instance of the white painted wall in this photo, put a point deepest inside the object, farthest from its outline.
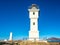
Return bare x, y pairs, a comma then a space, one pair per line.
10, 38
33, 33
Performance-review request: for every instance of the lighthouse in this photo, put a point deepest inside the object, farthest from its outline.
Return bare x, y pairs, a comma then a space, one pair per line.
33, 16
10, 38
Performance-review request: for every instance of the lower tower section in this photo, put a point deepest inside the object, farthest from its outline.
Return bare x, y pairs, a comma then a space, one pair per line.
34, 35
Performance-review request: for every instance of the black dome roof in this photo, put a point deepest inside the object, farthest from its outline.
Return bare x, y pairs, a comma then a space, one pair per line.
33, 5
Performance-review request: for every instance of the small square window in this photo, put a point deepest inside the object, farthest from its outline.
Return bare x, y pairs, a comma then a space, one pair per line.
33, 13
33, 23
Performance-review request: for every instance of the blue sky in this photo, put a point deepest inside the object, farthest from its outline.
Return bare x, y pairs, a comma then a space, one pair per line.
14, 18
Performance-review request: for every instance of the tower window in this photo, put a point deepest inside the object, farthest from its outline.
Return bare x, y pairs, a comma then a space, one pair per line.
33, 23
33, 13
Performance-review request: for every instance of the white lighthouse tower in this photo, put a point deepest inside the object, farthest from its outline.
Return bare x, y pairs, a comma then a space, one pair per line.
10, 38
33, 15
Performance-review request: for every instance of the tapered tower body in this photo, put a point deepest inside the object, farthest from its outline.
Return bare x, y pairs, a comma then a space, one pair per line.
10, 38
33, 15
